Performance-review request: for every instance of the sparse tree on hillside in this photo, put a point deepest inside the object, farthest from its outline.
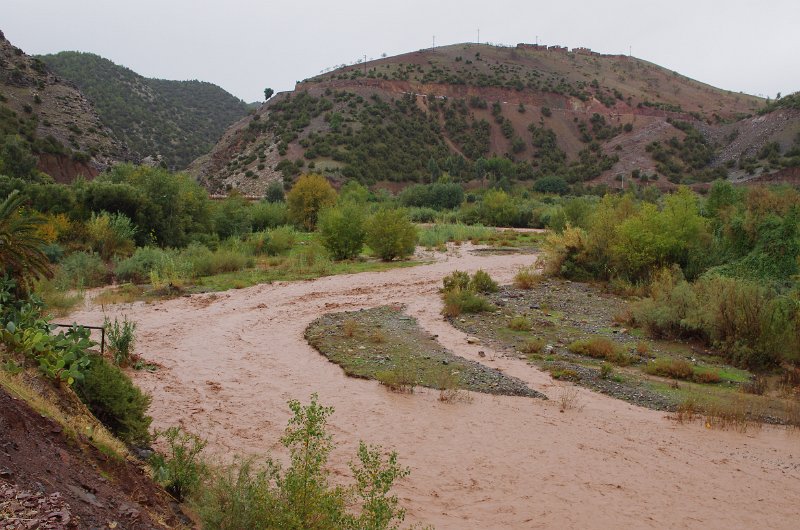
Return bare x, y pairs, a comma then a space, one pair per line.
268, 93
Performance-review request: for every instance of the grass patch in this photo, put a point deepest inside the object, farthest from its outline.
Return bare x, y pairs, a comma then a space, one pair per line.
405, 358
436, 235
457, 301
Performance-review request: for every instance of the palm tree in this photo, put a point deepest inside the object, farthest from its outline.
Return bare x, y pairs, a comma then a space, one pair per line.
21, 255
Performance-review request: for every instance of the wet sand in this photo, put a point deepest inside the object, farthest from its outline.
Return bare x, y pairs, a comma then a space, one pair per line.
230, 362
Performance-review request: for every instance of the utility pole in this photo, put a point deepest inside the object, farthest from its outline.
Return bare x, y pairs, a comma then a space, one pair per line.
434, 43
479, 35
630, 51
537, 40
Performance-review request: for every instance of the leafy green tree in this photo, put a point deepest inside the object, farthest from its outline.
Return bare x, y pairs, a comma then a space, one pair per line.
390, 234
232, 217
274, 192
353, 192
173, 206
551, 184
16, 159
310, 194
268, 92
342, 230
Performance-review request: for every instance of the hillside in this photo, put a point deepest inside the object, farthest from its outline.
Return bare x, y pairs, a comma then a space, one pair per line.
488, 112
47, 123
172, 122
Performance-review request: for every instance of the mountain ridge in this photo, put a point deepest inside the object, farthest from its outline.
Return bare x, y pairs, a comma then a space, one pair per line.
586, 117
161, 120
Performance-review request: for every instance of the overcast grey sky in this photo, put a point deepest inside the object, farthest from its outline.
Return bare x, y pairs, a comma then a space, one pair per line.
246, 45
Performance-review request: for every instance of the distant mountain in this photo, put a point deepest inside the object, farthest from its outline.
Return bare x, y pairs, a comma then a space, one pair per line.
46, 123
480, 112
172, 122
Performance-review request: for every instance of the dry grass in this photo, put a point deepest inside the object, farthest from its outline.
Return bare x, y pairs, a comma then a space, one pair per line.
74, 423
377, 337
532, 346
602, 348
124, 294
669, 367
520, 323
527, 277
449, 385
792, 414
349, 327
757, 385
687, 411
739, 415
706, 378
642, 348
567, 398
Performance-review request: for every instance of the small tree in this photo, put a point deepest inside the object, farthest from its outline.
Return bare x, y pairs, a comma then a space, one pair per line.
309, 195
274, 192
390, 234
268, 92
342, 230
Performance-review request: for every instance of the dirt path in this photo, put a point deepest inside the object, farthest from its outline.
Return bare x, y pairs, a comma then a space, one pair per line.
231, 361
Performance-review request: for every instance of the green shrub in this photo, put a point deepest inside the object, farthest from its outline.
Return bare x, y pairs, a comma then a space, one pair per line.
82, 269
274, 192
439, 196
230, 260
551, 184
281, 240
181, 470
401, 378
264, 215
111, 234
456, 280
115, 401
137, 268
390, 234
121, 339
422, 214
605, 371
309, 259
457, 301
231, 217
200, 258
300, 496
481, 282
342, 230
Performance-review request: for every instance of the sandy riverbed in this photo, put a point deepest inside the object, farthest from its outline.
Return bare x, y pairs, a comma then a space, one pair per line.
232, 360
